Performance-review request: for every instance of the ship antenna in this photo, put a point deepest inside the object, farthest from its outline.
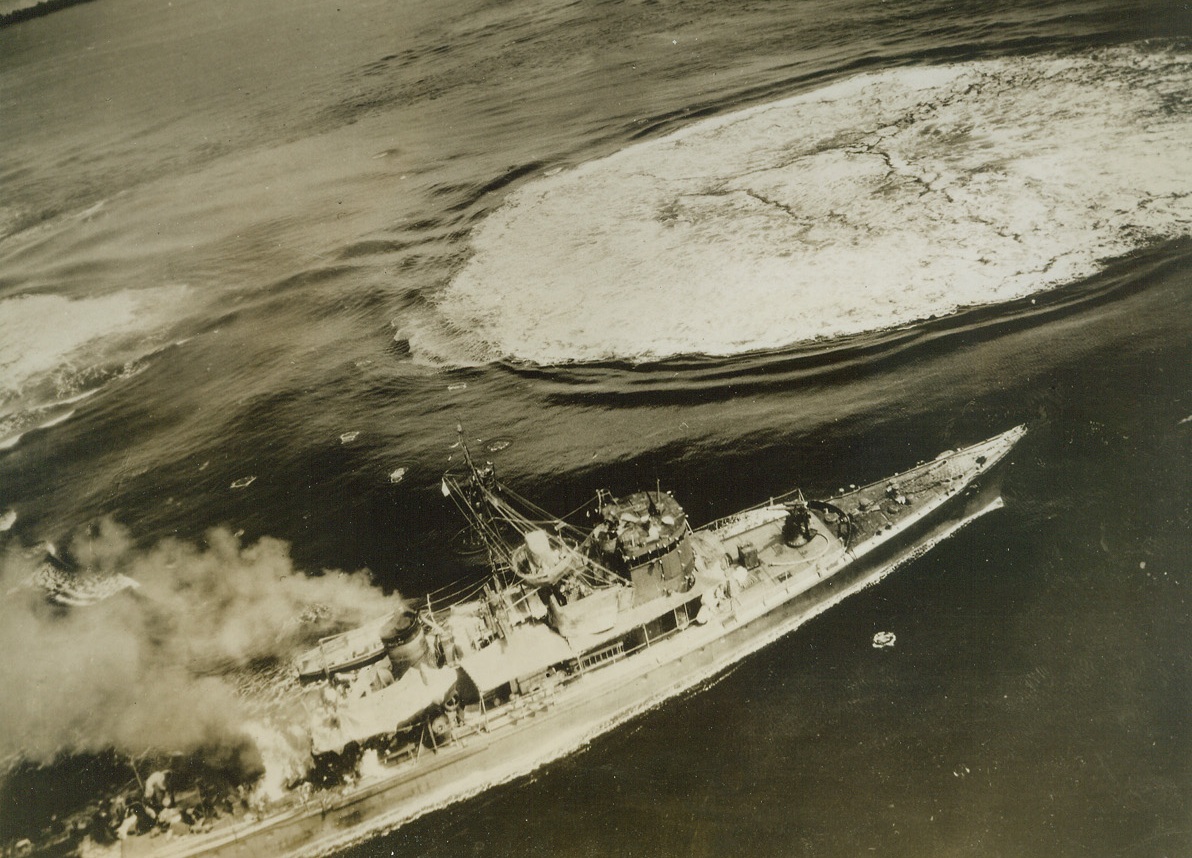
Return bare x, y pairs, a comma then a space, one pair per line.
459, 428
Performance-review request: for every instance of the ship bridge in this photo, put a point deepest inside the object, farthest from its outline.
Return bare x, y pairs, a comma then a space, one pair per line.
645, 537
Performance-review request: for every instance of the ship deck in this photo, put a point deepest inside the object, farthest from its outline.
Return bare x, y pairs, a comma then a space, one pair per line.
858, 538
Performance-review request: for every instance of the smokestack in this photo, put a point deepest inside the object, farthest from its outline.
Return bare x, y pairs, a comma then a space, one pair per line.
405, 641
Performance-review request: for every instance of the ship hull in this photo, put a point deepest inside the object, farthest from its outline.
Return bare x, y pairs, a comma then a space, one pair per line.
604, 698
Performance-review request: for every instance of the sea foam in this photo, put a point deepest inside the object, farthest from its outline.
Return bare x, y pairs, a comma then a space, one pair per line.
876, 201
54, 350
44, 333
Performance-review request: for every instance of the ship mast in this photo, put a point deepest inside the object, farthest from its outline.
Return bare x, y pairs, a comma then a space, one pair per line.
502, 518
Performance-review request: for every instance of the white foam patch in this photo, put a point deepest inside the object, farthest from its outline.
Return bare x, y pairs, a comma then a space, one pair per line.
877, 201
43, 334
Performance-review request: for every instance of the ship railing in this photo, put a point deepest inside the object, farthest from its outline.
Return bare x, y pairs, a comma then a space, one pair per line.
728, 521
617, 651
456, 592
922, 469
529, 703
942, 461
608, 653
438, 602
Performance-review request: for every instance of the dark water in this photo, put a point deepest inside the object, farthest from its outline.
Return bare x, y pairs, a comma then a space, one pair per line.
216, 218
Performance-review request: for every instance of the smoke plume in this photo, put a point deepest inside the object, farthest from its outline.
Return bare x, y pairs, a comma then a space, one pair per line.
149, 670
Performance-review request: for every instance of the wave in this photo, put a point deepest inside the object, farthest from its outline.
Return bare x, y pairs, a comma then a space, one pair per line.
10, 442
878, 201
56, 351
45, 332
687, 379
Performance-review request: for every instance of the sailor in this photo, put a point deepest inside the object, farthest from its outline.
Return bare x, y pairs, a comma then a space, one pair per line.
157, 789
128, 825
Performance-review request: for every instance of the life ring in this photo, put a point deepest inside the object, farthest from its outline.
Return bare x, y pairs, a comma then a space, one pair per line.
881, 640
439, 727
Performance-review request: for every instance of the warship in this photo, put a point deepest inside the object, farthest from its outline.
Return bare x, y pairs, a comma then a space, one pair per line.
571, 631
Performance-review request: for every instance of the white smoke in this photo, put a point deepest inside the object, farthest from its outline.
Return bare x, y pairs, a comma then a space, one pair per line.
147, 672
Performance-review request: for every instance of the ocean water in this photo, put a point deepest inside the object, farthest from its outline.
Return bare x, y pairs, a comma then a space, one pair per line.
256, 258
